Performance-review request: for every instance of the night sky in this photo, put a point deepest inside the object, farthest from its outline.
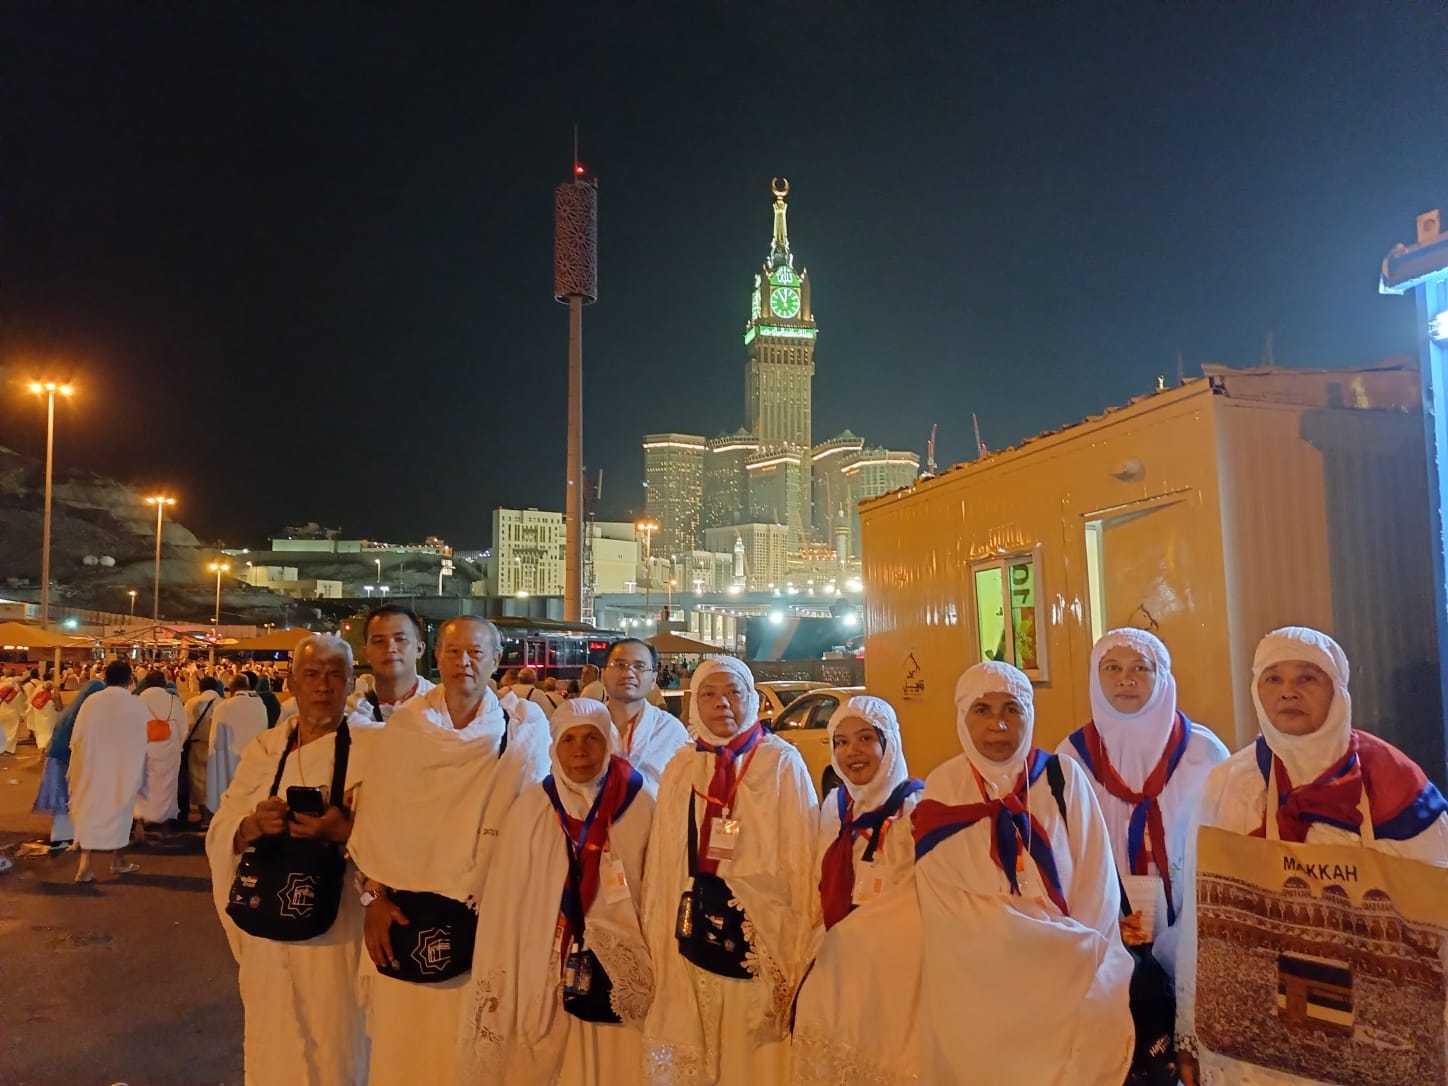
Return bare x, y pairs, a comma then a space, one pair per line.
298, 256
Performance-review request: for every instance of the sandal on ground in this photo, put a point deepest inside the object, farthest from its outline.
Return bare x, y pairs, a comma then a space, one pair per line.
125, 869
85, 876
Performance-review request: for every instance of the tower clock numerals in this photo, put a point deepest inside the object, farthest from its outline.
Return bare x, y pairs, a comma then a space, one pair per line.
784, 301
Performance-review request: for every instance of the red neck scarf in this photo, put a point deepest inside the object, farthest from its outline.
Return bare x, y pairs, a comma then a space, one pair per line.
724, 784
1146, 820
837, 868
1332, 798
586, 840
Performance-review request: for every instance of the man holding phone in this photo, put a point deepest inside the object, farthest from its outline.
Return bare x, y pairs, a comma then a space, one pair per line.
303, 1020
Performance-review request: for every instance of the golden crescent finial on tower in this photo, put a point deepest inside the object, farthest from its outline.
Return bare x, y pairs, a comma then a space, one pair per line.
779, 186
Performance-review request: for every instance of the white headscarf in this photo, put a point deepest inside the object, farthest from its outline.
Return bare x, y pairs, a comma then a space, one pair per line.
1135, 741
577, 798
713, 666
992, 677
892, 769
1306, 757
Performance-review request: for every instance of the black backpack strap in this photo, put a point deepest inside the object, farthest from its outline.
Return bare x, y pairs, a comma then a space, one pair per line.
282, 765
693, 838
204, 714
1056, 777
376, 703
340, 754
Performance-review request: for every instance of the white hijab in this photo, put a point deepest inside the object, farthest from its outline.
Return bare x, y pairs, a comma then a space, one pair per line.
992, 677
713, 666
577, 798
891, 770
1306, 757
1135, 741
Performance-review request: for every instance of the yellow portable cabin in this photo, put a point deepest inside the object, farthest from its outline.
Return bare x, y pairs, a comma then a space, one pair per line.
1210, 514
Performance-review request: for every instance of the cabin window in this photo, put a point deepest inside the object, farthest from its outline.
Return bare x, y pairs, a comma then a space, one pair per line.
1007, 612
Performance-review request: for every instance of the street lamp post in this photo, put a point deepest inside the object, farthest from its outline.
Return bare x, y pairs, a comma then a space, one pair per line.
160, 501
48, 389
648, 528
217, 568
132, 594
378, 563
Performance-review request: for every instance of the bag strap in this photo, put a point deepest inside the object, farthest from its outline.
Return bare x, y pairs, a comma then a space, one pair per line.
376, 703
909, 786
693, 838
1056, 777
204, 714
339, 763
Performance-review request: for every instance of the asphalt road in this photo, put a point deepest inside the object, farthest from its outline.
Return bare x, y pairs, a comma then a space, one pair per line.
119, 981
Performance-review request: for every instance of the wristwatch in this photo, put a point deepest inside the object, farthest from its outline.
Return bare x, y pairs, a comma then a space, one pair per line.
368, 897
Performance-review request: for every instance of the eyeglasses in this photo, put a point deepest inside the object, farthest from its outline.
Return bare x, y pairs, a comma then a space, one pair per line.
620, 666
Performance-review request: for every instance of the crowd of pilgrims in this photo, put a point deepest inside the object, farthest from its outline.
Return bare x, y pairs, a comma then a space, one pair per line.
604, 896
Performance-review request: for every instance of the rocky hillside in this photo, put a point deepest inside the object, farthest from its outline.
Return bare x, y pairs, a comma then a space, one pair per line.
99, 518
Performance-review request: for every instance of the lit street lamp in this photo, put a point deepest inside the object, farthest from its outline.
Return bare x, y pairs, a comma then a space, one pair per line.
378, 562
48, 389
160, 501
648, 528
217, 568
132, 594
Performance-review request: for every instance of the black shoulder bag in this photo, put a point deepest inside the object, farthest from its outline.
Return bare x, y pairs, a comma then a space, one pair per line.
709, 930
289, 888
436, 943
1153, 996
586, 984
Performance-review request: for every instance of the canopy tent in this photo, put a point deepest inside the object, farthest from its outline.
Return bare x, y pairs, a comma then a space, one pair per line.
669, 643
19, 635
276, 641
150, 634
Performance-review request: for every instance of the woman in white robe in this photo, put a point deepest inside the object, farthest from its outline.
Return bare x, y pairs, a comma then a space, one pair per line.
591, 806
157, 801
42, 718
857, 1019
705, 1029
1146, 762
1307, 741
1025, 978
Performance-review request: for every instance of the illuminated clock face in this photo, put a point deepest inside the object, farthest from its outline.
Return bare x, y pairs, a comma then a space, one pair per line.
784, 301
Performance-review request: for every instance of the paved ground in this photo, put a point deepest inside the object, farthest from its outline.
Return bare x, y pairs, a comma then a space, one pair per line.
124, 981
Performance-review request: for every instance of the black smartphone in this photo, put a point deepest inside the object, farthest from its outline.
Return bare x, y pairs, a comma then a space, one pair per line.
305, 799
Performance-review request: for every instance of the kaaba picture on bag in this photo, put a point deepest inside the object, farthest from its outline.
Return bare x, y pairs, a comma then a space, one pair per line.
1320, 960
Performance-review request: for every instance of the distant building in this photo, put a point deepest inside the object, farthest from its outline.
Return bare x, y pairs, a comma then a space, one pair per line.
528, 553
763, 548
768, 472
615, 555
674, 472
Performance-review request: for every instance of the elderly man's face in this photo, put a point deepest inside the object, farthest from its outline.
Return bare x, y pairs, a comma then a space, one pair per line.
321, 679
465, 658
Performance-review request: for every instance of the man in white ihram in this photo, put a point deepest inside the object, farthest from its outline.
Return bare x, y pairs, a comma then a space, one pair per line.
648, 735
392, 643
442, 776
107, 768
235, 722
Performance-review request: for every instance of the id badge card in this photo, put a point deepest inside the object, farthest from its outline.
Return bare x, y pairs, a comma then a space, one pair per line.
723, 838
612, 881
869, 882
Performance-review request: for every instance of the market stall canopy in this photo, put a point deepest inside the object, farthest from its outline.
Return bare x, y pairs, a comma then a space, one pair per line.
669, 642
276, 641
148, 635
20, 636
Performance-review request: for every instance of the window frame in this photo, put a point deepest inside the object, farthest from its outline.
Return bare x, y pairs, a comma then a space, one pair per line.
1003, 563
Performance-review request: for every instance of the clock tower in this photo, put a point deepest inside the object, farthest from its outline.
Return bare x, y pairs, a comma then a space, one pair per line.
780, 338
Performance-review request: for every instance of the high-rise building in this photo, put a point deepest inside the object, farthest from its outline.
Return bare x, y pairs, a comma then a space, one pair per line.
764, 550
726, 483
831, 493
870, 473
774, 490
780, 339
674, 474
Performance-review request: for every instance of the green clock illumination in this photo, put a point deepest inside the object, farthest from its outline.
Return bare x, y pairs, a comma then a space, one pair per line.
784, 276
784, 301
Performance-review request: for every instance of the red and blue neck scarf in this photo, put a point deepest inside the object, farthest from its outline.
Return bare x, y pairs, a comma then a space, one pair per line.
586, 838
1145, 810
1403, 802
723, 785
1013, 826
837, 869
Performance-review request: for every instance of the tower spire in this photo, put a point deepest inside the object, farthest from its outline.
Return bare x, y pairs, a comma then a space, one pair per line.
779, 251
